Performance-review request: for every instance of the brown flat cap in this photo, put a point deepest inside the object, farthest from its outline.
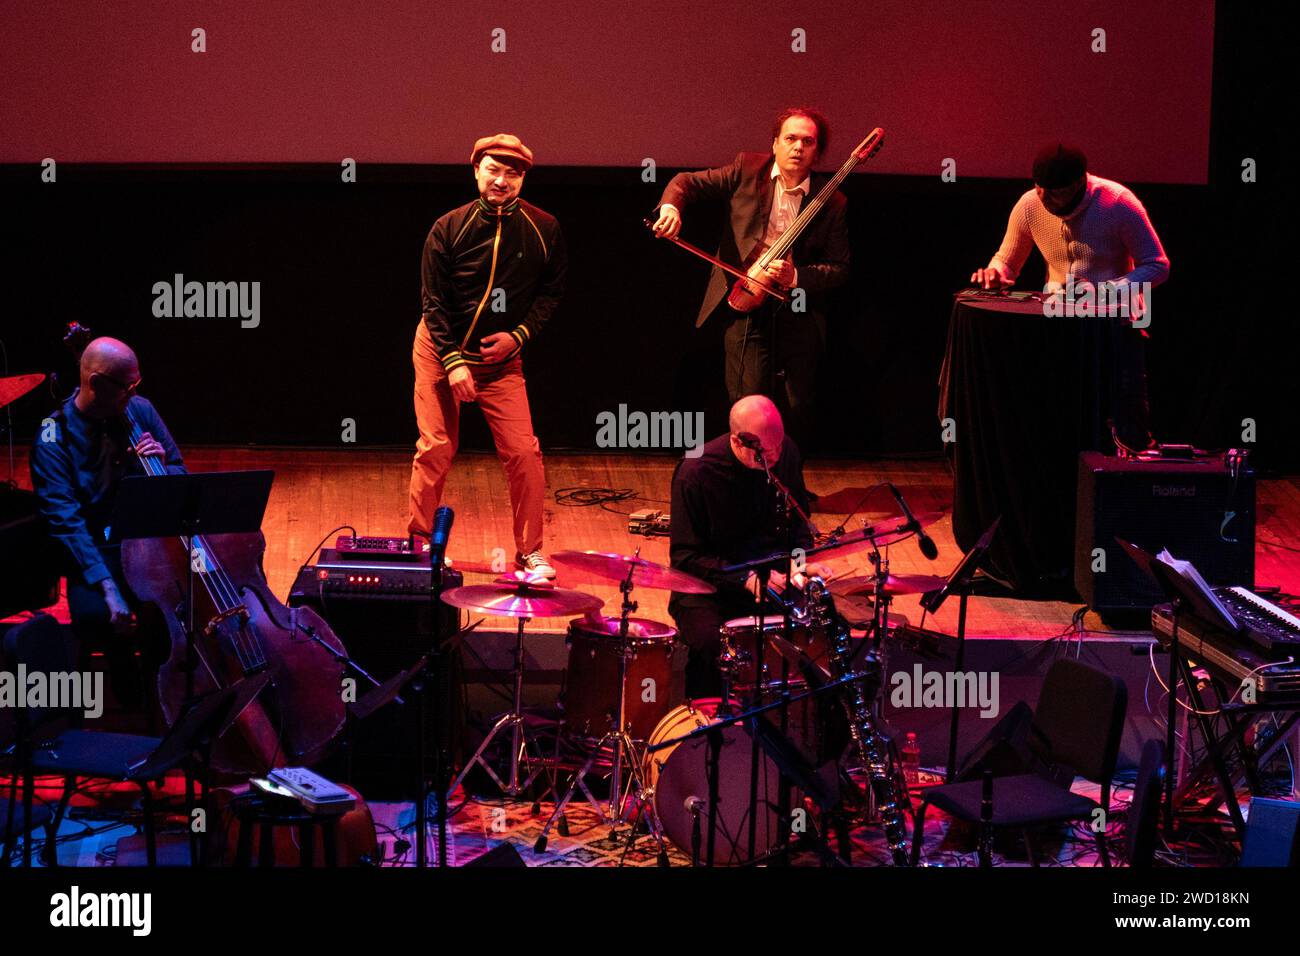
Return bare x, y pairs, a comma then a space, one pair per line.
502, 144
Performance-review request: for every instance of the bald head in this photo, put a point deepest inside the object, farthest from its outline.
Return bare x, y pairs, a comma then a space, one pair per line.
110, 373
756, 416
108, 356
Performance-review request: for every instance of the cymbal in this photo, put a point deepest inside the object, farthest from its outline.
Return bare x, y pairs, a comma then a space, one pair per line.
16, 386
645, 574
880, 534
527, 597
865, 584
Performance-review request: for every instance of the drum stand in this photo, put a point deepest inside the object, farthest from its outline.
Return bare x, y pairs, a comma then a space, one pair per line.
513, 719
623, 749
876, 639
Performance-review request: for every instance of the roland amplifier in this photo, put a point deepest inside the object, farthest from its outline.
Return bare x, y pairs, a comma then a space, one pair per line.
1201, 511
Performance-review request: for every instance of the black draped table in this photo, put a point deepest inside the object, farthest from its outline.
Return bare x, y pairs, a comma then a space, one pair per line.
1021, 395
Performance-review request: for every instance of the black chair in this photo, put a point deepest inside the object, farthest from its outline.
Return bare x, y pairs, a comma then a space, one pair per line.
1144, 810
55, 746
19, 818
21, 815
1075, 732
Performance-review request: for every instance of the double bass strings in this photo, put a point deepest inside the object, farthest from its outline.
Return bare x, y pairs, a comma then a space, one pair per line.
226, 596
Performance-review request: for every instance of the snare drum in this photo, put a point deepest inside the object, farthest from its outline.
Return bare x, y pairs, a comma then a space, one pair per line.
678, 773
652, 686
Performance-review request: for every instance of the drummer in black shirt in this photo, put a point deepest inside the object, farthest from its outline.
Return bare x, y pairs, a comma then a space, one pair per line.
724, 512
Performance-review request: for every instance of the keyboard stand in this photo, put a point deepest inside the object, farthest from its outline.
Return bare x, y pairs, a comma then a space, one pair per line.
1240, 717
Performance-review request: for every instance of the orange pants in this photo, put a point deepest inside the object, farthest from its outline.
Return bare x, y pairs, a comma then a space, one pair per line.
504, 400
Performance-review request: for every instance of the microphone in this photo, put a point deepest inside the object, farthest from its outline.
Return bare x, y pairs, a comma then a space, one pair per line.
442, 520
923, 540
694, 804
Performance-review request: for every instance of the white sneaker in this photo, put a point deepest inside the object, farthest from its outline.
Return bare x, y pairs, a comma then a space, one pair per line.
534, 562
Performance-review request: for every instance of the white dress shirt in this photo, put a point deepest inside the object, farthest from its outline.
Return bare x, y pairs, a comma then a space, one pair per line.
786, 204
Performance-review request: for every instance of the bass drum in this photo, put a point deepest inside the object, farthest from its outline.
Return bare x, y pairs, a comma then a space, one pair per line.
678, 773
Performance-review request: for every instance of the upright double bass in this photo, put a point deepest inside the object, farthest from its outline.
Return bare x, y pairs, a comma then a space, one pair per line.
241, 630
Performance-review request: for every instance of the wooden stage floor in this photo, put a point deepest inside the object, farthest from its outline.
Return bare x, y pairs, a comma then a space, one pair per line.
316, 490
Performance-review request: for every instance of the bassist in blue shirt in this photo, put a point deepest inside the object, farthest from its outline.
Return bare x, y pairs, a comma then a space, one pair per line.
81, 454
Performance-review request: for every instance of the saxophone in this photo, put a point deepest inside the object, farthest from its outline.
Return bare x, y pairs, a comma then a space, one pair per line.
870, 752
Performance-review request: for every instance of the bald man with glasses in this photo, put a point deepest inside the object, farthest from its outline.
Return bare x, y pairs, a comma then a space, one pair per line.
81, 454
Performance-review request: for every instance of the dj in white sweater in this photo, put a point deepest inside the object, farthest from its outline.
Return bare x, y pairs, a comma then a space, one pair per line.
1087, 227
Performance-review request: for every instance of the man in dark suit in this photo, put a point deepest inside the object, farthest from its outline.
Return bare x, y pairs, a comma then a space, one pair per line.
774, 349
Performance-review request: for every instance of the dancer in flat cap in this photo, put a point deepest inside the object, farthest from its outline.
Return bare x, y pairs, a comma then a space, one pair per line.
491, 278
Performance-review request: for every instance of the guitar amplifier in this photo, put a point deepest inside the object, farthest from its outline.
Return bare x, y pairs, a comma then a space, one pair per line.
382, 612
1201, 511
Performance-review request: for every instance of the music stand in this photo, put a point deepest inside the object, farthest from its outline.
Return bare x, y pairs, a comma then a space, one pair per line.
185, 506
959, 583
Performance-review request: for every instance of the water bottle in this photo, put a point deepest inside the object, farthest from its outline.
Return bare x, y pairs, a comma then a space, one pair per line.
912, 760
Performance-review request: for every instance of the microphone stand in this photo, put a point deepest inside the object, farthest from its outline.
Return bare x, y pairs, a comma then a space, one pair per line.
959, 582
785, 504
433, 673
713, 734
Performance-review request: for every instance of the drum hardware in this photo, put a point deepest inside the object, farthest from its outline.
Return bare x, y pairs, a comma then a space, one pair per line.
787, 511
874, 753
623, 750
675, 778
877, 630
523, 597
815, 727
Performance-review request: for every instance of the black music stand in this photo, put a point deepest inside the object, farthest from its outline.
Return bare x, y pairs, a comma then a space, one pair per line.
195, 730
185, 506
959, 583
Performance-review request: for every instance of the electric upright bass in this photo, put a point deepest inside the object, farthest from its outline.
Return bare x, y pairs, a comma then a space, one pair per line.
751, 287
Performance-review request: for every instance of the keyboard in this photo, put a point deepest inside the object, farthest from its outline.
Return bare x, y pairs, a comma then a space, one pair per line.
1264, 649
1260, 621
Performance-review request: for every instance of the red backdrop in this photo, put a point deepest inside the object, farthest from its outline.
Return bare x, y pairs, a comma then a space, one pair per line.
608, 84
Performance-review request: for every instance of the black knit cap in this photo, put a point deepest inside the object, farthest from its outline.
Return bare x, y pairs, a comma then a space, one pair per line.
1059, 164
